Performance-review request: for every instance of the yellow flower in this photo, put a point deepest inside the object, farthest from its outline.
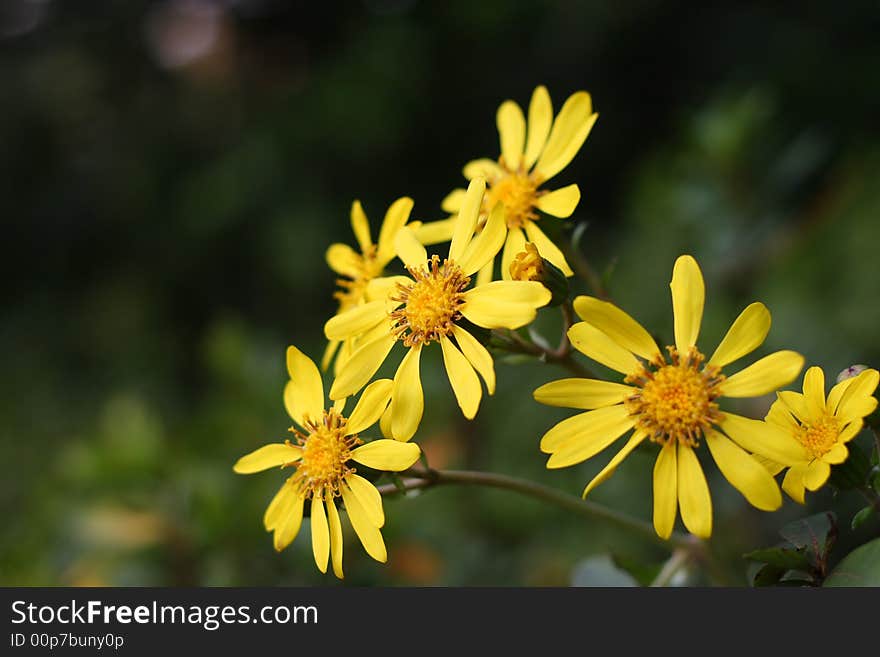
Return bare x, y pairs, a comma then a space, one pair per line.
427, 307
821, 427
673, 403
327, 447
358, 269
529, 158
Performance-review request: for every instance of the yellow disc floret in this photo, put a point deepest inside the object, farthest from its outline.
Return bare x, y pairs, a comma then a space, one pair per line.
820, 435
430, 303
518, 192
676, 400
353, 289
325, 456
527, 265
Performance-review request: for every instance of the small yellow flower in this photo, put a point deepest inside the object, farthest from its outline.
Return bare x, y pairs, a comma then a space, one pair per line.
358, 269
821, 427
529, 158
673, 402
323, 456
427, 306
527, 265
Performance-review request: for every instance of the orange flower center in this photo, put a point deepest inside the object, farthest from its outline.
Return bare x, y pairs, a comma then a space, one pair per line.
820, 435
430, 303
676, 400
325, 456
519, 193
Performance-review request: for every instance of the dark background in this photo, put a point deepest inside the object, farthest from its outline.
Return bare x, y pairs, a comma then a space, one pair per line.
173, 172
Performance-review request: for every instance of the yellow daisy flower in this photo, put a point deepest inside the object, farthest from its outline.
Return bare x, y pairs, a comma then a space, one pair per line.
673, 402
358, 269
427, 306
529, 158
821, 427
323, 456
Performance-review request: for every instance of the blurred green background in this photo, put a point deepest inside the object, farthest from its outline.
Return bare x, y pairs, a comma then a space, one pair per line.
173, 172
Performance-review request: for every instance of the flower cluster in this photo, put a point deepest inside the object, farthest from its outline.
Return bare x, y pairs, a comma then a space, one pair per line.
671, 398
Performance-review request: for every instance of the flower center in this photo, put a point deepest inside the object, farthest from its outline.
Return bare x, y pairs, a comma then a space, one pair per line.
430, 303
353, 289
819, 436
676, 400
527, 265
518, 192
325, 456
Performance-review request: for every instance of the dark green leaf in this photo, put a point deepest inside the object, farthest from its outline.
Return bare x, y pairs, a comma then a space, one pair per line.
813, 533
861, 516
781, 557
861, 567
852, 473
768, 576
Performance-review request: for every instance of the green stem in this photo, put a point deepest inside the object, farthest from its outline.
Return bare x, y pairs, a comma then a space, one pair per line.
584, 270
418, 479
673, 565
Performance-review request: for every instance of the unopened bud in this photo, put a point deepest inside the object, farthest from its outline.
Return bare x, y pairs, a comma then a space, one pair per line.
850, 372
528, 265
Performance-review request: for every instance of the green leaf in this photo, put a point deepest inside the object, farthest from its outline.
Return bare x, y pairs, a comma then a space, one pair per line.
861, 567
861, 516
768, 576
815, 533
781, 557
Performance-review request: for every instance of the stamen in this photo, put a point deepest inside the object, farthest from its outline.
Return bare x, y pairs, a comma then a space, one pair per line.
820, 436
326, 452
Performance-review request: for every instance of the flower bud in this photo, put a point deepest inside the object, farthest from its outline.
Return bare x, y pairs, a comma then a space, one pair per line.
528, 265
850, 372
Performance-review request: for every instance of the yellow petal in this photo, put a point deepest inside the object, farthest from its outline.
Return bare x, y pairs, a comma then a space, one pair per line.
836, 393
335, 527
395, 219
780, 415
745, 335
361, 367
514, 244
561, 202
361, 227
570, 130
370, 406
504, 304
765, 375
344, 260
329, 352
816, 475
793, 483
795, 403
385, 423
407, 401
436, 232
320, 534
582, 393
288, 522
617, 325
409, 249
594, 344
547, 248
369, 498
304, 395
466, 221
477, 355
482, 168
606, 472
384, 287
267, 456
353, 323
850, 431
856, 400
279, 506
387, 455
463, 378
814, 391
688, 294
763, 438
339, 405
744, 472
837, 454
367, 532
693, 494
512, 133
665, 490
540, 120
592, 426
485, 246
451, 203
